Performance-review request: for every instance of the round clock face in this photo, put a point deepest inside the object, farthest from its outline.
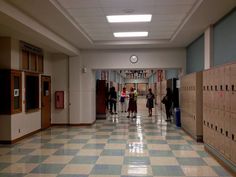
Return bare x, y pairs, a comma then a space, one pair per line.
133, 59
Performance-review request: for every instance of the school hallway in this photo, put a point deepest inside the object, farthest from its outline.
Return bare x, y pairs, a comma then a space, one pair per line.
114, 147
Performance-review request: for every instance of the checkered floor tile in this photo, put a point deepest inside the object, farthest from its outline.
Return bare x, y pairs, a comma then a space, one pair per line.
115, 147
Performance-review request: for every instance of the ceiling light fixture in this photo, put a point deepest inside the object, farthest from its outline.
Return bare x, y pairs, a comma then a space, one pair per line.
129, 18
131, 34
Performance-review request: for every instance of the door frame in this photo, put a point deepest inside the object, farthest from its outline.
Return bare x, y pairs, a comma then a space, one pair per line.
48, 77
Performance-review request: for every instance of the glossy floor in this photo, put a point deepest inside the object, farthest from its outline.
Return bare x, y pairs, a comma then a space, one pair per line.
110, 148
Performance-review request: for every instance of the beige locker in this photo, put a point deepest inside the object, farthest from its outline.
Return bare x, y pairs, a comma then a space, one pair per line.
221, 131
227, 133
233, 137
211, 99
233, 74
233, 101
221, 100
216, 119
227, 122
233, 87
227, 82
232, 150
227, 147
215, 99
227, 104
221, 78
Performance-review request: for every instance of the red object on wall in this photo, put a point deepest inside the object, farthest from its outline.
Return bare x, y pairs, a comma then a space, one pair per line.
59, 99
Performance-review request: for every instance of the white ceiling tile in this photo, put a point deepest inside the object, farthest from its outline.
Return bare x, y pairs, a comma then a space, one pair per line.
87, 12
171, 9
91, 15
174, 2
79, 3
97, 30
87, 20
167, 17
126, 3
135, 10
96, 25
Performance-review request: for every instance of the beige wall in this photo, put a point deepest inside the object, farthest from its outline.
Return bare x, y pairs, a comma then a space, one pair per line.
82, 84
56, 66
148, 58
60, 82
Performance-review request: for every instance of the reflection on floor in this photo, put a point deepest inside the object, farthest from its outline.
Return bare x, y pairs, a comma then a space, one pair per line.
110, 148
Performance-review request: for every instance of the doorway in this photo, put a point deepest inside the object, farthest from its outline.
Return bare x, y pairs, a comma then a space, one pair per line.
45, 102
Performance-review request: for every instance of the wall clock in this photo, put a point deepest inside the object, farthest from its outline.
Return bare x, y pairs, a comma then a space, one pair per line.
133, 59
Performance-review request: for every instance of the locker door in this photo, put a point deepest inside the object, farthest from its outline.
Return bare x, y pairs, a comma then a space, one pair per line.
227, 88
233, 87
221, 132
227, 132
233, 137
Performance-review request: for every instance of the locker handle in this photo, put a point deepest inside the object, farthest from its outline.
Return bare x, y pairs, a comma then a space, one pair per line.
233, 137
232, 87
207, 87
211, 87
226, 88
227, 133
204, 122
221, 87
216, 128
215, 87
212, 126
208, 124
221, 131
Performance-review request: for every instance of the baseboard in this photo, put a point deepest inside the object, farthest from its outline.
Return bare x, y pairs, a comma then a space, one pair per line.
36, 131
80, 124
198, 138
101, 116
227, 164
20, 138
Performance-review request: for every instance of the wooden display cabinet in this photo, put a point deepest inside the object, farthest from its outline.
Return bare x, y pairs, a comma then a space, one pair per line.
10, 91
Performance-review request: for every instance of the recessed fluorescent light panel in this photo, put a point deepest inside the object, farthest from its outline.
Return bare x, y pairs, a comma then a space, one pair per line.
129, 18
131, 34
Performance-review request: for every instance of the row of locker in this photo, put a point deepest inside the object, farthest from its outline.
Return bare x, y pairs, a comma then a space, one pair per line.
191, 104
220, 132
220, 78
225, 101
219, 113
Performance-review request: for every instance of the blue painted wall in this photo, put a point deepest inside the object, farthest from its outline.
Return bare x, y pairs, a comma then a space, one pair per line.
225, 40
172, 73
195, 56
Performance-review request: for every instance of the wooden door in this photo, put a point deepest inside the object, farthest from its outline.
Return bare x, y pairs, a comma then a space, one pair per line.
101, 94
45, 102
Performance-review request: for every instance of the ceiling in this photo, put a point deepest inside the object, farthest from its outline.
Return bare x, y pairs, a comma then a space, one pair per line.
81, 24
167, 16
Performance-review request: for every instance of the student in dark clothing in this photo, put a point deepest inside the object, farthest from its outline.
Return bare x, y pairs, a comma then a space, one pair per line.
150, 97
113, 100
167, 100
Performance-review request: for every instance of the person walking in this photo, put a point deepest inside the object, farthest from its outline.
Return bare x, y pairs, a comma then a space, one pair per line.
167, 101
150, 97
123, 98
135, 102
113, 100
131, 108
